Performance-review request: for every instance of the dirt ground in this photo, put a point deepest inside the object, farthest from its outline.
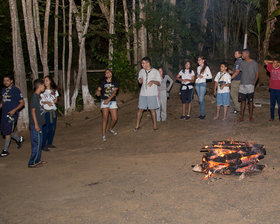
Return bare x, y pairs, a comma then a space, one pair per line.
142, 177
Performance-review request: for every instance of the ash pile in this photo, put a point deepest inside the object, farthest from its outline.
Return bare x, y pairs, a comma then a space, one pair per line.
231, 157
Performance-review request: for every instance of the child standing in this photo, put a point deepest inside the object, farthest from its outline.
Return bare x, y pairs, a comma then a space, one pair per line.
203, 75
163, 90
49, 99
274, 86
107, 89
222, 91
186, 77
37, 120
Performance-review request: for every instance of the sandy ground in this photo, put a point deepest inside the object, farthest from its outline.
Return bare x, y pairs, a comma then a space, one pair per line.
142, 177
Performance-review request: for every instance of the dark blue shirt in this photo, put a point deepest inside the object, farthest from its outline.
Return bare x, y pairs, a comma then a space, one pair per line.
237, 67
10, 100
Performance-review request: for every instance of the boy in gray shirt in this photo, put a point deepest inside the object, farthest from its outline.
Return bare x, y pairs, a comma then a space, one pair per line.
249, 77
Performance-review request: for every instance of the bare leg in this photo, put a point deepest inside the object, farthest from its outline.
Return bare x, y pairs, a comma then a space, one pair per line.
105, 113
153, 112
139, 116
114, 116
189, 109
243, 105
183, 109
218, 113
225, 112
251, 106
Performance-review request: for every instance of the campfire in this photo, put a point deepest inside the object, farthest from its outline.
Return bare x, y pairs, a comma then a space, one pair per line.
231, 157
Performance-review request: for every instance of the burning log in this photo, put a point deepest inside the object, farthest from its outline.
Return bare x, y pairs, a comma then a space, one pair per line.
231, 157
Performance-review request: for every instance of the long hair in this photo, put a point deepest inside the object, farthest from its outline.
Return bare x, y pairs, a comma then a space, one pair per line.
204, 65
104, 77
163, 72
53, 86
184, 66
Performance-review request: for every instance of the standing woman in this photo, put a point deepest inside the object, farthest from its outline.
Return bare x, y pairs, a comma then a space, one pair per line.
203, 74
186, 77
107, 89
163, 90
48, 99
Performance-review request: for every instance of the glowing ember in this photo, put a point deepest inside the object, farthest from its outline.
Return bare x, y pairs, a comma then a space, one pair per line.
231, 157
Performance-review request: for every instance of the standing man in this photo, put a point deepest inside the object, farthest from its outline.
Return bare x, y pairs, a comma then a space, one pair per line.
148, 99
235, 81
250, 76
12, 102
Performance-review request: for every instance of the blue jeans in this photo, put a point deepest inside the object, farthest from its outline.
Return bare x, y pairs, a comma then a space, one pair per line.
49, 128
36, 145
274, 96
201, 90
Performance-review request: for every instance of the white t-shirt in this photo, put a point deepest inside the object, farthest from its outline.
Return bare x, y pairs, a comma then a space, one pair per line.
187, 75
223, 77
148, 76
49, 96
206, 74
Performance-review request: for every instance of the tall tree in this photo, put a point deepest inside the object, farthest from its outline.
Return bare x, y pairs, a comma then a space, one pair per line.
135, 36
142, 30
126, 24
204, 22
55, 63
30, 36
46, 35
19, 67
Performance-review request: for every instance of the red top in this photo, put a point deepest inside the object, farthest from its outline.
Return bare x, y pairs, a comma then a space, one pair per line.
274, 82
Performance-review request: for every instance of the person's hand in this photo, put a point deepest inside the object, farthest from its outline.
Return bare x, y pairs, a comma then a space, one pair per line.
140, 80
222, 86
150, 83
12, 112
184, 80
50, 104
200, 76
106, 102
215, 93
230, 71
98, 93
37, 128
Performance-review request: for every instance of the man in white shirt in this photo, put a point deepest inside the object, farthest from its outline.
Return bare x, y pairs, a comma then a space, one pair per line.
150, 79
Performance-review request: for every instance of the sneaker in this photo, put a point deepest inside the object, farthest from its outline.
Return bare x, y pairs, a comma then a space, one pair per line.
235, 112
201, 117
112, 132
4, 153
19, 143
183, 117
104, 138
187, 117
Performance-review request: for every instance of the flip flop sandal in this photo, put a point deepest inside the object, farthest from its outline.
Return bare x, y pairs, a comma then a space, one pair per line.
136, 129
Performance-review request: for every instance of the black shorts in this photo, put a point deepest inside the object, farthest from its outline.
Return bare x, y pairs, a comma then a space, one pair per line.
243, 97
7, 125
187, 96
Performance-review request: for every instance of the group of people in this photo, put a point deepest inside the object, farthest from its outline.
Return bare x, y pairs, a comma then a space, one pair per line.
237, 84
43, 116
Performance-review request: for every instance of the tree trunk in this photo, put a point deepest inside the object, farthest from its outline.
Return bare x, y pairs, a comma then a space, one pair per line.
246, 26
82, 66
135, 38
19, 68
204, 22
69, 65
142, 31
104, 10
111, 28
37, 28
30, 36
126, 29
56, 42
46, 35
270, 27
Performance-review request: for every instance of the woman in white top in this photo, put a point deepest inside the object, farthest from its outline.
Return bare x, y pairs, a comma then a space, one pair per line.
163, 90
203, 74
186, 77
48, 100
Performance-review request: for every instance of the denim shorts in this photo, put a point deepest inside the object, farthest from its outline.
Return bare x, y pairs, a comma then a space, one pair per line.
148, 102
110, 105
223, 99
